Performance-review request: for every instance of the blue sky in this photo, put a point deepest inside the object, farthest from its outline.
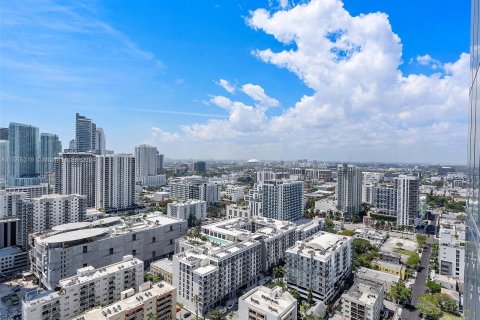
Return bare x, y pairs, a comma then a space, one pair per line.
149, 72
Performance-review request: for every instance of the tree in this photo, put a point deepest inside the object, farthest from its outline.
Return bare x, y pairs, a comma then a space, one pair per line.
349, 233
304, 307
278, 271
294, 294
399, 293
413, 261
216, 315
429, 306
450, 306
421, 239
329, 225
310, 296
434, 287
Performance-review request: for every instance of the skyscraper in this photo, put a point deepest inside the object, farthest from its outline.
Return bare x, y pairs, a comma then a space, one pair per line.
75, 174
115, 181
3, 163
349, 189
472, 263
148, 162
200, 167
85, 134
50, 147
3, 133
100, 141
282, 199
24, 151
408, 199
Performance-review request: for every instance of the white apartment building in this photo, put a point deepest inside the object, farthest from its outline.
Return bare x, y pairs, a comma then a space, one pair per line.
32, 191
321, 264
281, 199
154, 181
235, 193
48, 211
188, 208
13, 260
363, 301
254, 202
153, 301
11, 203
236, 211
115, 181
59, 253
195, 187
451, 253
75, 174
163, 268
89, 288
349, 189
262, 303
147, 162
408, 199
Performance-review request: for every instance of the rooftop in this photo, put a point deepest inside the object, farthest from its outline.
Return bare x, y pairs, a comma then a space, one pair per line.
274, 300
164, 264
321, 244
8, 251
364, 291
376, 275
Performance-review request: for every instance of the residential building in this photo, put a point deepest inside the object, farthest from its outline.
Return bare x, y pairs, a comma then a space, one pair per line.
13, 260
88, 289
236, 211
8, 234
75, 174
392, 268
50, 147
23, 152
32, 191
3, 163
153, 301
320, 265
160, 160
451, 253
48, 211
163, 268
3, 133
281, 199
262, 303
100, 141
115, 181
195, 188
187, 209
386, 279
85, 134
236, 193
363, 301
349, 189
384, 199
200, 167
154, 181
148, 162
408, 199
11, 203
57, 254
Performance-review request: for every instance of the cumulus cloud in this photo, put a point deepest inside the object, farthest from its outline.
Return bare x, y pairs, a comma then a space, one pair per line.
230, 88
361, 101
257, 93
164, 136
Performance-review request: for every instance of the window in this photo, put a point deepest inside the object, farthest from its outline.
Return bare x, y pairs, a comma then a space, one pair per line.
85, 249
134, 252
111, 250
134, 237
153, 254
154, 239
84, 265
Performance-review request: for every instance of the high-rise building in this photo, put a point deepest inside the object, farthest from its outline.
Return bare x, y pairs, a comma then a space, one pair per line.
50, 147
3, 133
262, 303
195, 188
472, 257
115, 181
47, 212
200, 167
187, 209
408, 199
100, 141
58, 254
281, 199
11, 203
75, 174
23, 151
85, 134
3, 163
363, 301
384, 199
160, 158
349, 189
87, 289
320, 265
148, 162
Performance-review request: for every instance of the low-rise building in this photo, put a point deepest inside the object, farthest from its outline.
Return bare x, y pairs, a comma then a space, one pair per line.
58, 254
235, 193
187, 209
363, 301
262, 303
153, 301
392, 268
13, 260
387, 279
163, 268
451, 253
391, 257
236, 211
320, 265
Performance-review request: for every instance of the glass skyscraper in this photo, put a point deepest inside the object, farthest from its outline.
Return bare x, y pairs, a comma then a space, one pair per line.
472, 263
85, 134
23, 151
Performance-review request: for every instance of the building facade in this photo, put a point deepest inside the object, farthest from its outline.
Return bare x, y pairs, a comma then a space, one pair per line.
24, 152
187, 209
85, 134
200, 167
100, 141
363, 301
50, 147
349, 189
408, 199
262, 303
148, 162
281, 199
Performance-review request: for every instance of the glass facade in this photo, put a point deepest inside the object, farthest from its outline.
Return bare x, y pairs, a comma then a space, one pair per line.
472, 263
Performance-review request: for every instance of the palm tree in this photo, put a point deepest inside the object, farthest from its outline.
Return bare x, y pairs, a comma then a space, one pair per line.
196, 299
216, 315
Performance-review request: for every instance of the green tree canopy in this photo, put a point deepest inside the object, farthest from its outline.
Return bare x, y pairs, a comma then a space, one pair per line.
433, 287
429, 306
400, 293
413, 261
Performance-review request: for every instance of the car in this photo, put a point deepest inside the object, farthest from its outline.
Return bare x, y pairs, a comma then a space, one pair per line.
187, 314
230, 306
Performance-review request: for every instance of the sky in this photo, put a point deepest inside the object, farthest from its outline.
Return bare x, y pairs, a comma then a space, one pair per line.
352, 80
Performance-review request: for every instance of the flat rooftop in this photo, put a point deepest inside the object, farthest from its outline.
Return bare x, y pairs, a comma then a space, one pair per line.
364, 291
376, 275
164, 264
8, 251
75, 235
274, 300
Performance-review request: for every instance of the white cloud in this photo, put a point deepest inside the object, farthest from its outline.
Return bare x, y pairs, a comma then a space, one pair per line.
362, 105
164, 136
257, 93
230, 88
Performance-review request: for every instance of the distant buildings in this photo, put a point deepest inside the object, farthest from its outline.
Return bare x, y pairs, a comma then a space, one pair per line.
236, 211
200, 167
236, 193
85, 134
50, 147
188, 209
349, 189
320, 265
89, 288
195, 188
262, 303
100, 141
148, 163
58, 254
3, 163
363, 301
23, 152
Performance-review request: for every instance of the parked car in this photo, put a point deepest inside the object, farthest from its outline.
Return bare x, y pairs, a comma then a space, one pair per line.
187, 314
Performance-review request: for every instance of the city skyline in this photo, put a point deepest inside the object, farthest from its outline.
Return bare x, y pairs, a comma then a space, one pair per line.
191, 104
